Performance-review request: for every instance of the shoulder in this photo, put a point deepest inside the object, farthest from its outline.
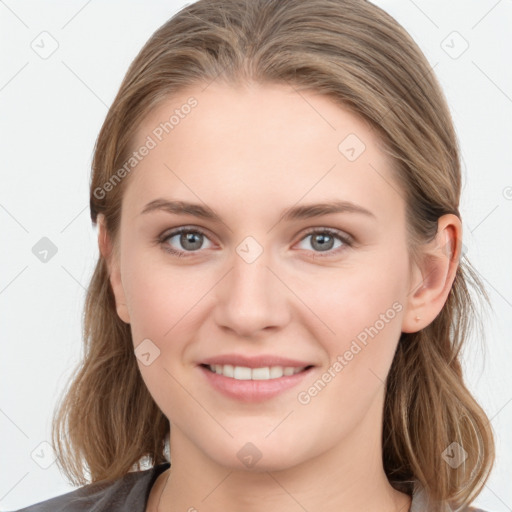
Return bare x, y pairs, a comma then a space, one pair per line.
421, 502
129, 492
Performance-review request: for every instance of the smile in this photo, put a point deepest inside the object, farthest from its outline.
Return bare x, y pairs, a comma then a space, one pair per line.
246, 373
249, 385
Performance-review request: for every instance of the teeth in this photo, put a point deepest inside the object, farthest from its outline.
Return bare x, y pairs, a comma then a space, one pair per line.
245, 373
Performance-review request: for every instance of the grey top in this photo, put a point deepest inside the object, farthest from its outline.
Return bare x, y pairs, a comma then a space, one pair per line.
131, 493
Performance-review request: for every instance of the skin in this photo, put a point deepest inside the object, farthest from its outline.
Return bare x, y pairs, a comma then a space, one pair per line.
249, 153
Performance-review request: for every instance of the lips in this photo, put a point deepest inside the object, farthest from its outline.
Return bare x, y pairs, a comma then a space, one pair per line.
253, 379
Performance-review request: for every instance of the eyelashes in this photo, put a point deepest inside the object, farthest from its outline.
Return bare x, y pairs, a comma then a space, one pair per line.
328, 235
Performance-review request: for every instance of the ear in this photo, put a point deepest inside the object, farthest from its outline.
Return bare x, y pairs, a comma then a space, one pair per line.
432, 278
112, 261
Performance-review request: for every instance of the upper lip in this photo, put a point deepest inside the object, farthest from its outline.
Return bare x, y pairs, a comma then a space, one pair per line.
254, 361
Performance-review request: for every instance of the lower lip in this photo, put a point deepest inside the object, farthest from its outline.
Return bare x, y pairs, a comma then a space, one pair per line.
252, 390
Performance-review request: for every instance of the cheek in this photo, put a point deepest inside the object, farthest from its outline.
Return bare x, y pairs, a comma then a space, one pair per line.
365, 315
360, 311
159, 295
160, 300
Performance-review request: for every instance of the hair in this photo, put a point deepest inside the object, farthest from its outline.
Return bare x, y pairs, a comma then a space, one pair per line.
360, 57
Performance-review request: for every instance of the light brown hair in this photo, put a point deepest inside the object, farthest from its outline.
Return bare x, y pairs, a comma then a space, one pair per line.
362, 59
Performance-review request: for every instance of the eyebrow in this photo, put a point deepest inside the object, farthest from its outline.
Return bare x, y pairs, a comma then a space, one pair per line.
293, 213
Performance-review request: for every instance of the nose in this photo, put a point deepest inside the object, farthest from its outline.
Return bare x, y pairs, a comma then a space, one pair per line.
252, 297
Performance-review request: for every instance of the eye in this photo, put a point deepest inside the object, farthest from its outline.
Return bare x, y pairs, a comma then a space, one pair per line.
189, 240
323, 240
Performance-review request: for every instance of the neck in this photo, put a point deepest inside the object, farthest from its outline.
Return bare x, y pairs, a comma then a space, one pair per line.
346, 477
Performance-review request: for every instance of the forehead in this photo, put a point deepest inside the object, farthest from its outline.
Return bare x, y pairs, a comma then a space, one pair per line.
260, 145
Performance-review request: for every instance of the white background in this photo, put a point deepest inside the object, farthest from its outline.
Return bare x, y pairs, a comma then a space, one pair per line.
51, 112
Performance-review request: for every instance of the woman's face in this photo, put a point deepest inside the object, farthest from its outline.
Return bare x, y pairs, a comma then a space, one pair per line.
263, 279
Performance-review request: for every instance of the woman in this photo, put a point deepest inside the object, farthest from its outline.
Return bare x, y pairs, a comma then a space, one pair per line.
280, 294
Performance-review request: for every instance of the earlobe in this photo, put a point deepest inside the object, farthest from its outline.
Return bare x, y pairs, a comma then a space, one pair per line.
112, 262
433, 278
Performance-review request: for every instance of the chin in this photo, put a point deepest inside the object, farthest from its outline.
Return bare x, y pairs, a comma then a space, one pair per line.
256, 455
